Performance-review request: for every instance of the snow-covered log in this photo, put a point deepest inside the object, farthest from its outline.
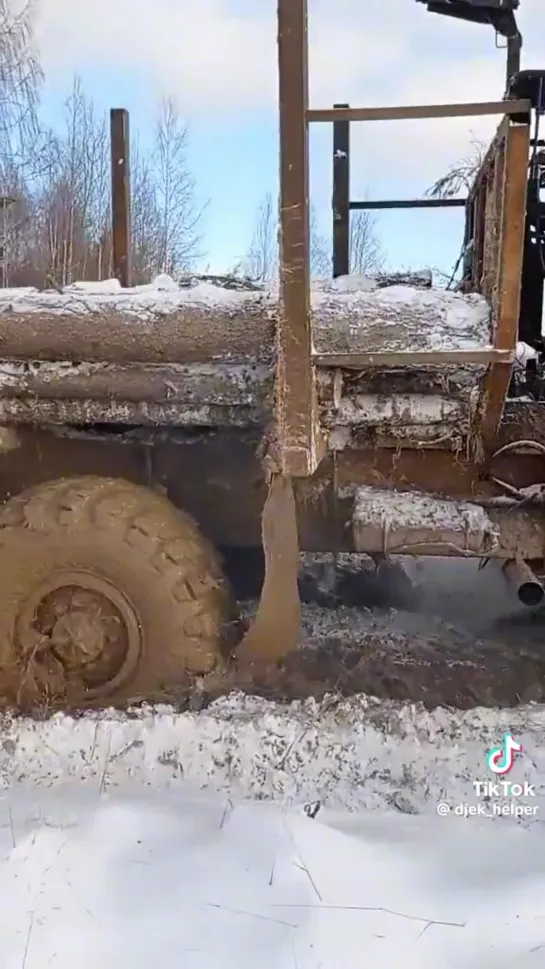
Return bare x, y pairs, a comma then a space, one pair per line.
160, 323
100, 322
399, 319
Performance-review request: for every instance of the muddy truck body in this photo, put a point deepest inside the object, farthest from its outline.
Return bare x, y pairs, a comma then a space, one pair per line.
150, 432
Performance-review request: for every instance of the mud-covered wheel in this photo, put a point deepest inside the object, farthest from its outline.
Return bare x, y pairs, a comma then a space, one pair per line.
107, 593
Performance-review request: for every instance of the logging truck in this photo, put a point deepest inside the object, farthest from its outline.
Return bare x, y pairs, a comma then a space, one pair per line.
150, 432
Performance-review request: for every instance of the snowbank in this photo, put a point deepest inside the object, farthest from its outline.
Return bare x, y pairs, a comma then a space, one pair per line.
354, 754
92, 880
153, 840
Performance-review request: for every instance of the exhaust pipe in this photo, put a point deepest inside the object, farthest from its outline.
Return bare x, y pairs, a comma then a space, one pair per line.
528, 587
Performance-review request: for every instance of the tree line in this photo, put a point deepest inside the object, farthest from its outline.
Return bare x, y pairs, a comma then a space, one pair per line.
55, 215
55, 224
261, 261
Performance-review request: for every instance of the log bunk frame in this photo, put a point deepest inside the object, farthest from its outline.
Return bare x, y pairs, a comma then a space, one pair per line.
497, 205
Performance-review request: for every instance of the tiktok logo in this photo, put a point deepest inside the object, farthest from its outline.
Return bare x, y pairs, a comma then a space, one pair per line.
500, 759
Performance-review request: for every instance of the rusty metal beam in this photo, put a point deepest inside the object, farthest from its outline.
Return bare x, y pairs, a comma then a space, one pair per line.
416, 112
456, 203
435, 472
121, 195
341, 196
298, 437
512, 194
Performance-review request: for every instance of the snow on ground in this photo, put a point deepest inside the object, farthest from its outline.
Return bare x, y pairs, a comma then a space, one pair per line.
183, 840
137, 881
352, 754
173, 840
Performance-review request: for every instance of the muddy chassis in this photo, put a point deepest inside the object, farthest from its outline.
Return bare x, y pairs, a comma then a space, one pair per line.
111, 593
149, 431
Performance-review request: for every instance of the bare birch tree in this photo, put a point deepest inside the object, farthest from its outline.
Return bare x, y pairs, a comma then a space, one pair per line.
179, 239
261, 262
75, 194
457, 179
320, 250
461, 174
55, 206
366, 252
146, 217
21, 80
97, 262
22, 142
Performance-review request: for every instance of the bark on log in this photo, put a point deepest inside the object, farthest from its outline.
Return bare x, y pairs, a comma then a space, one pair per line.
195, 333
204, 383
185, 327
450, 381
40, 412
193, 385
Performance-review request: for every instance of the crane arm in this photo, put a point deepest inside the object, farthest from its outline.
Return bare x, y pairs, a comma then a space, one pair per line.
500, 14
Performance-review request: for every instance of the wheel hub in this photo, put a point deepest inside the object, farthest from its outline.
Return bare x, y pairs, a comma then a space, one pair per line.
80, 627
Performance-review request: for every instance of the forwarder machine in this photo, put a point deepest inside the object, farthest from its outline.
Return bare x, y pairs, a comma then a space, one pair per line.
147, 429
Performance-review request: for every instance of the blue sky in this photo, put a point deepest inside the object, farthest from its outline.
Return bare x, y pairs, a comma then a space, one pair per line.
217, 59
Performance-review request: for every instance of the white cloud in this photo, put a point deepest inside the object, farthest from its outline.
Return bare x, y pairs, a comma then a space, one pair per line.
219, 57
201, 52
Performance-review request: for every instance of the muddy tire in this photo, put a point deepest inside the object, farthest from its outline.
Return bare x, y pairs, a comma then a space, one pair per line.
107, 594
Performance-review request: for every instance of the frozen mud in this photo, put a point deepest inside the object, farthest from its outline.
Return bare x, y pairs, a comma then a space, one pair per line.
440, 632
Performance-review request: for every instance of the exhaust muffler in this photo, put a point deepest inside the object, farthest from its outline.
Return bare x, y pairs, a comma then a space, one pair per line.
528, 587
